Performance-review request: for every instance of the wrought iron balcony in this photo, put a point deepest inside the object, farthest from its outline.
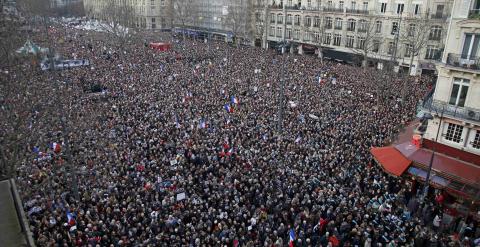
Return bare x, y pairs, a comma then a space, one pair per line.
357, 11
332, 9
463, 61
438, 16
435, 106
474, 14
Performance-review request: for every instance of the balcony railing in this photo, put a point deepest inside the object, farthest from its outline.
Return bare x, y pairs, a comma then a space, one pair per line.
434, 37
328, 26
474, 14
338, 27
438, 16
466, 62
357, 11
331, 9
351, 29
435, 106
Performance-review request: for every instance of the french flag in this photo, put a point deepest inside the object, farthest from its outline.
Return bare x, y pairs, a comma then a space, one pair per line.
234, 100
291, 234
228, 108
56, 147
71, 218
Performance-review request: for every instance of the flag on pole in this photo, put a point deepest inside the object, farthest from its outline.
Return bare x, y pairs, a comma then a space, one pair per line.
71, 218
228, 108
56, 147
291, 235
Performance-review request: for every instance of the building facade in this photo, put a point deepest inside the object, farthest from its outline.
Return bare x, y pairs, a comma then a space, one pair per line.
381, 27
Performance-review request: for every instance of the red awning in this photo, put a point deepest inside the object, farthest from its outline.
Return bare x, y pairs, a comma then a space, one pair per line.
391, 160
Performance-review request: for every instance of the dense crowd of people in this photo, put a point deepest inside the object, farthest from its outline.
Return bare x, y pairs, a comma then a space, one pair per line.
183, 148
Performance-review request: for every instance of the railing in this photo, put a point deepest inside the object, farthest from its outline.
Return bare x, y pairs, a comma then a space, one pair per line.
465, 62
338, 27
352, 29
328, 26
435, 106
434, 37
362, 30
357, 11
474, 14
331, 9
437, 16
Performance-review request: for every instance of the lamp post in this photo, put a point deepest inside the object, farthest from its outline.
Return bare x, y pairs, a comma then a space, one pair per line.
281, 105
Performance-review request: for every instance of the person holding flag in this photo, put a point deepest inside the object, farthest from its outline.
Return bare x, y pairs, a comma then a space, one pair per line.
234, 100
291, 235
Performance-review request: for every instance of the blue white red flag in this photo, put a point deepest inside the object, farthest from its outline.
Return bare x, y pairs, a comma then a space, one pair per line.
291, 235
234, 100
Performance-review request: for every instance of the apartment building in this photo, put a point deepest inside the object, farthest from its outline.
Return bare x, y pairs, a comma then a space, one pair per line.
345, 27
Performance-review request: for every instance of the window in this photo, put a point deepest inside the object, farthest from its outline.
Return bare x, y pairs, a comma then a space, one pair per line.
408, 50
391, 47
362, 26
338, 23
435, 33
411, 30
476, 140
459, 92
378, 27
279, 18
328, 22
416, 9
296, 34
279, 32
470, 46
351, 25
162, 2
454, 133
289, 19
432, 52
329, 4
383, 8
361, 42
154, 25
376, 46
272, 31
340, 5
316, 37
272, 18
439, 12
309, 3
337, 39
349, 42
289, 3
319, 3
316, 22
289, 33
394, 28
365, 6
400, 7
297, 20
308, 21
327, 39
307, 36
354, 5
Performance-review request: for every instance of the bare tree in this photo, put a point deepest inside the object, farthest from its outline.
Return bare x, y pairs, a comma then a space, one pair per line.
236, 20
368, 39
118, 15
415, 38
183, 13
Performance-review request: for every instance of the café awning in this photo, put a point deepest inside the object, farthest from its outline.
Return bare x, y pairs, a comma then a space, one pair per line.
391, 160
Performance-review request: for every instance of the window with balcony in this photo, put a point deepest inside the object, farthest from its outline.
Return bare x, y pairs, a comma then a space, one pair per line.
432, 52
411, 29
351, 24
454, 133
394, 28
309, 3
154, 24
470, 46
329, 4
272, 18
439, 13
279, 32
337, 39
328, 23
316, 21
400, 8
376, 46
475, 143
279, 19
416, 9
383, 7
289, 3
435, 33
338, 23
459, 92
391, 48
271, 32
354, 5
408, 50
365, 6
361, 42
341, 5
362, 26
297, 20
289, 19
296, 34
289, 33
378, 26
316, 37
307, 36
308, 21
319, 3
327, 39
349, 42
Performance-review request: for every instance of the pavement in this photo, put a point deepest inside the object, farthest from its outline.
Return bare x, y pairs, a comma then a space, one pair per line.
407, 133
10, 230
